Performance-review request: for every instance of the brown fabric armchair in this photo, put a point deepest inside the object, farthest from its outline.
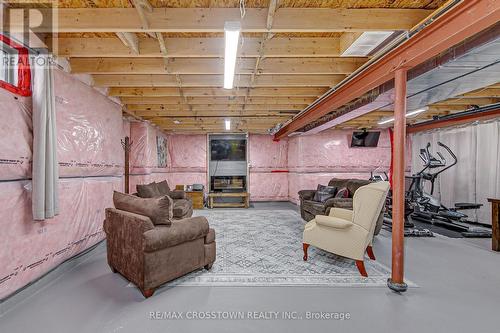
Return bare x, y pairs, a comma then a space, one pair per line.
183, 205
310, 208
150, 255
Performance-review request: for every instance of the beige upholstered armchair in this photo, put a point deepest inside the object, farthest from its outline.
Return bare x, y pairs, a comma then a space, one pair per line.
349, 233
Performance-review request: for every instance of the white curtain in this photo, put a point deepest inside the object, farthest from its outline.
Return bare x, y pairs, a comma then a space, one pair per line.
45, 176
476, 176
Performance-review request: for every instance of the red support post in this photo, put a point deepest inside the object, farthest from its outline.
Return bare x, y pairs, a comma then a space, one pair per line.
396, 281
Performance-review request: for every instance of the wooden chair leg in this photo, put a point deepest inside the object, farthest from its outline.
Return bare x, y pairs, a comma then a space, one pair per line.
369, 251
361, 268
305, 247
148, 293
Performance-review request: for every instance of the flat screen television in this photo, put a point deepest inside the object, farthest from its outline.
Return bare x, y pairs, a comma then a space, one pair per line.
364, 139
228, 150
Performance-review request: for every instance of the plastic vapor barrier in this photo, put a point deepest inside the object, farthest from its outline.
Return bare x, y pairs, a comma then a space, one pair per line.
89, 130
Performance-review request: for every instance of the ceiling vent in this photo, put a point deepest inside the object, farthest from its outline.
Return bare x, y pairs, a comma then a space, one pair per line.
366, 43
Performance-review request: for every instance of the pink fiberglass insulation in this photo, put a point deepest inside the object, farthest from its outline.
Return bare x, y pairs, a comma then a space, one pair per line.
143, 155
267, 186
266, 154
31, 248
330, 151
89, 130
187, 153
268, 161
16, 133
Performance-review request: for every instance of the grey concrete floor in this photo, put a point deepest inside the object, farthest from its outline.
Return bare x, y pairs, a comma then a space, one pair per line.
458, 291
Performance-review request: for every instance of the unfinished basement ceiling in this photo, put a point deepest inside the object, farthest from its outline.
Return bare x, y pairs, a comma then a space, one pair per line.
169, 68
464, 77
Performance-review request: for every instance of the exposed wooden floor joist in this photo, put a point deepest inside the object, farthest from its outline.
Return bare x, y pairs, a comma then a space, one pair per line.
166, 63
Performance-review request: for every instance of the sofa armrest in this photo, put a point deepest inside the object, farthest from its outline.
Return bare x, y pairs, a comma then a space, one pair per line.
307, 194
123, 224
177, 194
342, 213
179, 232
333, 222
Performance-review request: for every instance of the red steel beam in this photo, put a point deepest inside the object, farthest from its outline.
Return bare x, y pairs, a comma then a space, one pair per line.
460, 22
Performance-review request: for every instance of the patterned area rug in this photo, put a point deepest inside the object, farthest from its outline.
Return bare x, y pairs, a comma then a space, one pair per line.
264, 248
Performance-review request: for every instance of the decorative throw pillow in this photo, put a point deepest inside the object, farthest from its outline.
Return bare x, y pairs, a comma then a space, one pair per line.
163, 187
324, 193
342, 193
150, 190
159, 210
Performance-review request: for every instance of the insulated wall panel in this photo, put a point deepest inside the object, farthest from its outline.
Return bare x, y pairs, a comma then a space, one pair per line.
143, 155
31, 248
267, 186
330, 151
89, 130
187, 153
16, 134
266, 156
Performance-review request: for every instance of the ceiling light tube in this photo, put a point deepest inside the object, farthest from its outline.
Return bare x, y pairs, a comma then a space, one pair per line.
228, 124
408, 114
231, 34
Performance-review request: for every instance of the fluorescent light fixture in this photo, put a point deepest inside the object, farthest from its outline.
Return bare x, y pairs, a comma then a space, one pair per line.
408, 114
228, 124
366, 43
177, 122
232, 34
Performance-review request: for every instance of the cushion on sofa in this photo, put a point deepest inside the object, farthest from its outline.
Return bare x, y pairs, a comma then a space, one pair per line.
159, 210
181, 207
324, 193
163, 187
343, 193
179, 232
150, 190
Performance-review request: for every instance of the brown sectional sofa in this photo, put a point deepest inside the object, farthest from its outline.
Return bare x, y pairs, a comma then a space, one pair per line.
148, 247
310, 208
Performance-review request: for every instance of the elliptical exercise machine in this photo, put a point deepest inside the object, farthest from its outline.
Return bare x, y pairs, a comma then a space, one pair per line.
425, 207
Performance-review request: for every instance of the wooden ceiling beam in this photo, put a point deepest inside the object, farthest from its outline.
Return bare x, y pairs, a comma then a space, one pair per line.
217, 100
206, 66
198, 47
220, 107
215, 92
221, 113
165, 80
212, 19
